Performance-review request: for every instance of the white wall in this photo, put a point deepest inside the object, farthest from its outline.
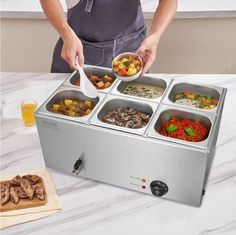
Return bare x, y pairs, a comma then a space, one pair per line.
188, 46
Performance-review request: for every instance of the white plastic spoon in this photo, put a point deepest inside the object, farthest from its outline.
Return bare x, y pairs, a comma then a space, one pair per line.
86, 86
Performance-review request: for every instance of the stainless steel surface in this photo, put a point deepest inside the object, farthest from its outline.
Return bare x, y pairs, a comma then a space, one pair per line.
113, 102
131, 158
166, 112
148, 80
123, 159
181, 86
66, 92
215, 132
91, 70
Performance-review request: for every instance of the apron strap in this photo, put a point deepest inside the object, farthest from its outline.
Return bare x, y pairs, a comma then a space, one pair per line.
89, 5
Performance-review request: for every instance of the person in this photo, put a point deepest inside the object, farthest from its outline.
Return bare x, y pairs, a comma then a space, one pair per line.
95, 31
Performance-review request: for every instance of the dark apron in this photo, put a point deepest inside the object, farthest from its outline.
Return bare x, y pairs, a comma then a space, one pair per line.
106, 29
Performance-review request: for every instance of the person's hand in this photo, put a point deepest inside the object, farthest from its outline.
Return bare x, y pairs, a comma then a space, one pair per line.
72, 47
147, 51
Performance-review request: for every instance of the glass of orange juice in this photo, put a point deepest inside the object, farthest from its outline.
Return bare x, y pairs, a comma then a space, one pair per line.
28, 108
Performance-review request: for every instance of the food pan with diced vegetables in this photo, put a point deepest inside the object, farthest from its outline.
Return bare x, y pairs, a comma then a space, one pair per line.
72, 104
196, 100
73, 107
194, 96
100, 82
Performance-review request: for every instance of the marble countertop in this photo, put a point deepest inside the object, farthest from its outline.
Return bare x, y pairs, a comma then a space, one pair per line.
93, 208
186, 9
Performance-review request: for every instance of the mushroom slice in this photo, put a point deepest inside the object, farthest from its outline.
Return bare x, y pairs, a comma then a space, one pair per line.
145, 116
129, 124
137, 122
39, 191
14, 196
34, 179
21, 193
28, 188
15, 181
5, 193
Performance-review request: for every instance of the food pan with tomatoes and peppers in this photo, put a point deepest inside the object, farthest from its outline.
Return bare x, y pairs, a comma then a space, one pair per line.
196, 100
185, 129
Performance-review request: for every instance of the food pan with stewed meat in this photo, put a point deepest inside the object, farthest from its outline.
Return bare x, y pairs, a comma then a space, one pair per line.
73, 107
100, 82
72, 103
101, 78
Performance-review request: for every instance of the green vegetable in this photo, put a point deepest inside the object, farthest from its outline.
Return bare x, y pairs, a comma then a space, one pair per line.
127, 63
171, 128
189, 131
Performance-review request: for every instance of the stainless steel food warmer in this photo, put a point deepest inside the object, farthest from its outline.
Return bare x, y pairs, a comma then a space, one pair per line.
137, 159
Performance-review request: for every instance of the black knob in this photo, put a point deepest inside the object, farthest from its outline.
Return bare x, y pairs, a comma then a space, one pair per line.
77, 164
158, 188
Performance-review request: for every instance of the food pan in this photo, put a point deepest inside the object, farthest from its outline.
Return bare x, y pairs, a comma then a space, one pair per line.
91, 70
120, 86
166, 112
178, 87
112, 102
64, 92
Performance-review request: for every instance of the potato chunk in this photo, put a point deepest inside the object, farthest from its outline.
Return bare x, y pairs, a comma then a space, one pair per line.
68, 102
137, 62
106, 78
100, 84
56, 107
88, 111
131, 71
107, 84
88, 103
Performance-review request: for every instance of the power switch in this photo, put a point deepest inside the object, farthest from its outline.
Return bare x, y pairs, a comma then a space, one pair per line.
158, 188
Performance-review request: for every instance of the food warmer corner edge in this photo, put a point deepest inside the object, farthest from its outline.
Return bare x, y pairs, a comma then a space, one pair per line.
138, 159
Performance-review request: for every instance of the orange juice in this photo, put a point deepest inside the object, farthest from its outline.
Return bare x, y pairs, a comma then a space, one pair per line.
28, 108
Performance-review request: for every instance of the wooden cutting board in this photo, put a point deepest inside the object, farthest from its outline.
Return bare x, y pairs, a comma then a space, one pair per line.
24, 202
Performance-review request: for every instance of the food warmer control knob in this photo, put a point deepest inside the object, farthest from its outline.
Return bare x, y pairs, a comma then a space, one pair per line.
158, 188
77, 166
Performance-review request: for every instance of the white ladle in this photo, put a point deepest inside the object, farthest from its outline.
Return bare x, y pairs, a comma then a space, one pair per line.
86, 86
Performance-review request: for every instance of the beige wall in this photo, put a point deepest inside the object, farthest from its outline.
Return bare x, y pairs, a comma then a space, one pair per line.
188, 46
